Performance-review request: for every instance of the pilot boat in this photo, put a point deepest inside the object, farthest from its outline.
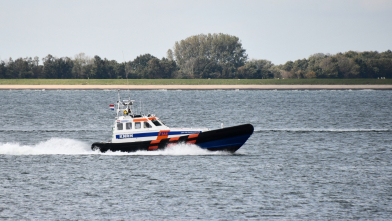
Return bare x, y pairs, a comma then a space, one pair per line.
133, 132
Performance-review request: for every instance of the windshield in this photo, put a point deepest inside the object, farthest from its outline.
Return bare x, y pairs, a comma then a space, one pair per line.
156, 123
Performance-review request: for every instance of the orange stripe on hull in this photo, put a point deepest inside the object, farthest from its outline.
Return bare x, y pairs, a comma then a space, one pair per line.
152, 147
192, 141
163, 134
193, 136
155, 141
174, 138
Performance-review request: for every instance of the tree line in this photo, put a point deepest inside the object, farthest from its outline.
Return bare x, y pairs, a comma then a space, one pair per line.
202, 56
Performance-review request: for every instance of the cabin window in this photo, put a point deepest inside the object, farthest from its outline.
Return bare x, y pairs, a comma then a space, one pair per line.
128, 126
156, 123
147, 125
119, 126
162, 122
138, 125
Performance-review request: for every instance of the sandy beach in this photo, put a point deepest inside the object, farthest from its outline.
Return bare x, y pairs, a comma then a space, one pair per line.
196, 87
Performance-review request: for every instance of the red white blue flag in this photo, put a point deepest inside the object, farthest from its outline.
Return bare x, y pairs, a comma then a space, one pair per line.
111, 106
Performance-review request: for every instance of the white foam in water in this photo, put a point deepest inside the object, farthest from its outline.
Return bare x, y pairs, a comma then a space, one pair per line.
52, 146
74, 147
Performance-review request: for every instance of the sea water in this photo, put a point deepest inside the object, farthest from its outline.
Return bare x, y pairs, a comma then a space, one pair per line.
317, 154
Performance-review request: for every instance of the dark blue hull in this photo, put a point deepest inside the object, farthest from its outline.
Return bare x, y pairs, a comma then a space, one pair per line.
225, 139
232, 144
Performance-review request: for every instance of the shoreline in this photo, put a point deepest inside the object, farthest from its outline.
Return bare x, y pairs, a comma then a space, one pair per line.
195, 87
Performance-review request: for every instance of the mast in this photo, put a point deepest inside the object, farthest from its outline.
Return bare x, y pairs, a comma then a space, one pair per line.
126, 73
118, 102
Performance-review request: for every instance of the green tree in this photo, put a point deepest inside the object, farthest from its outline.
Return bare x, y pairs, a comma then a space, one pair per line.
347, 67
9, 72
50, 69
288, 66
138, 68
98, 70
256, 69
380, 67
36, 68
170, 55
154, 69
119, 70
64, 68
211, 70
168, 67
194, 53
329, 68
20, 68
81, 65
3, 69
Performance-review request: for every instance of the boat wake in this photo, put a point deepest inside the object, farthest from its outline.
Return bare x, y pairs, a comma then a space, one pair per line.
62, 146
49, 147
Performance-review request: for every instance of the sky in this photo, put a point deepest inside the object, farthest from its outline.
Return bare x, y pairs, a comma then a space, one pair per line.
275, 30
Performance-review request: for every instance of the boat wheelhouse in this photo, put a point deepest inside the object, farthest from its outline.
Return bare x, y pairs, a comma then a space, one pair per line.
130, 127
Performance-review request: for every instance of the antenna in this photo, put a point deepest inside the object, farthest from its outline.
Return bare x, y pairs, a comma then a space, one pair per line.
118, 102
126, 74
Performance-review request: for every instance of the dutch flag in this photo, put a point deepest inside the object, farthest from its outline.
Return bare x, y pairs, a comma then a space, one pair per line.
111, 106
